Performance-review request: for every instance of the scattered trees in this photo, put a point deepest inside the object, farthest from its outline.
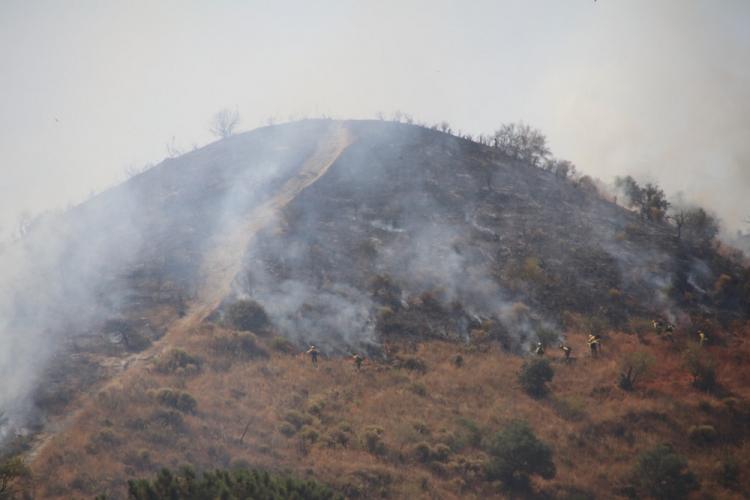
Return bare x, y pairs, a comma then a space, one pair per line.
696, 226
224, 122
649, 200
516, 453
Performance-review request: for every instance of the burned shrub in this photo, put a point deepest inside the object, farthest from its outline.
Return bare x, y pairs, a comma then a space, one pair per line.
247, 315
534, 376
132, 339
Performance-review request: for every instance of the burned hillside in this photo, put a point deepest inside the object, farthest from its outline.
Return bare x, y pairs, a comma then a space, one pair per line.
433, 234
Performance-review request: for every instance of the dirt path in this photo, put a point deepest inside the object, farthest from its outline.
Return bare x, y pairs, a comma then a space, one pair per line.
220, 266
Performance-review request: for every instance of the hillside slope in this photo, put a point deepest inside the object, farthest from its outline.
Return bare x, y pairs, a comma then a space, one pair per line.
408, 244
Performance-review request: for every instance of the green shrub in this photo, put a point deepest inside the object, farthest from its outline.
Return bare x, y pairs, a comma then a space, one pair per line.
282, 344
418, 389
168, 419
469, 434
414, 363
422, 452
441, 452
534, 376
297, 419
13, 475
247, 315
287, 429
663, 474
373, 440
702, 367
728, 472
309, 434
176, 360
179, 400
516, 453
235, 484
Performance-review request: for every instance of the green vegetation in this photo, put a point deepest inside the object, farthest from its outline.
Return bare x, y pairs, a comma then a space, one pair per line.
13, 471
534, 377
516, 453
247, 315
179, 362
663, 474
230, 485
179, 400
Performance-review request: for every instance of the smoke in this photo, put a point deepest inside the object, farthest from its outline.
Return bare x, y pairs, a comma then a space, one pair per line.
660, 90
54, 286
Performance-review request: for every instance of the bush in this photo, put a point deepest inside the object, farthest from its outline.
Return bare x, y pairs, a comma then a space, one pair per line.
282, 344
297, 419
418, 389
241, 345
238, 483
179, 400
534, 376
702, 367
728, 472
663, 474
515, 454
247, 315
373, 440
287, 429
634, 366
169, 419
702, 434
414, 364
13, 472
177, 360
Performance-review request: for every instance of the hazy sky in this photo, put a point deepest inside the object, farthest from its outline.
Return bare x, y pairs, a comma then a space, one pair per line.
653, 88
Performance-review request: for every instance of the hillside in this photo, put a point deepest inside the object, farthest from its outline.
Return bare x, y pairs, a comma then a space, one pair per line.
443, 260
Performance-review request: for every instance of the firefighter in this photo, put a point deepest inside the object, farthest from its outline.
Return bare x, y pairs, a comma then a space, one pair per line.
669, 331
358, 361
566, 351
539, 350
702, 339
593, 342
657, 326
313, 352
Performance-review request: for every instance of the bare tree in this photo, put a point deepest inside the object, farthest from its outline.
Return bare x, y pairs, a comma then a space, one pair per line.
224, 123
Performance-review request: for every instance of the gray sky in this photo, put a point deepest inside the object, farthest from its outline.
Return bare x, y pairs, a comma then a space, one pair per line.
655, 89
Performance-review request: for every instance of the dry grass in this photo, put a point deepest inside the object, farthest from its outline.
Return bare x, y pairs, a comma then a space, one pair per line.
360, 430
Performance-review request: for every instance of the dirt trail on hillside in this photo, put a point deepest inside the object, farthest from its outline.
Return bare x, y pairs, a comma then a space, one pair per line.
220, 266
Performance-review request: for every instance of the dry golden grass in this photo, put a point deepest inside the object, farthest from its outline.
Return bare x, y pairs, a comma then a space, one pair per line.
595, 429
